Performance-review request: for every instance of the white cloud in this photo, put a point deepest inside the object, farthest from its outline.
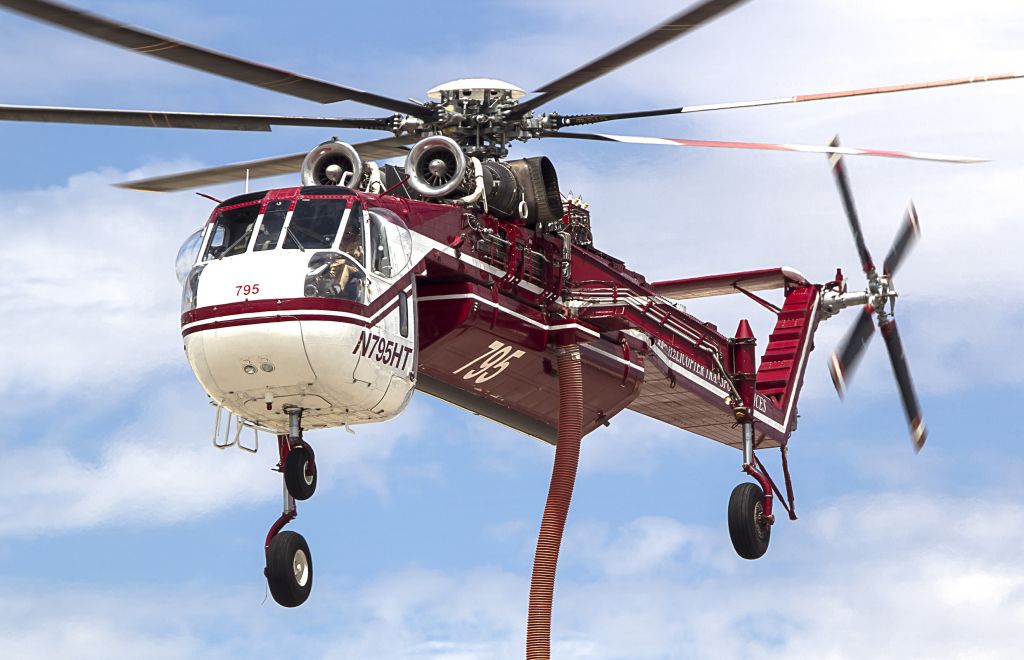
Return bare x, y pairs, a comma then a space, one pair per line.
89, 285
881, 576
644, 546
160, 468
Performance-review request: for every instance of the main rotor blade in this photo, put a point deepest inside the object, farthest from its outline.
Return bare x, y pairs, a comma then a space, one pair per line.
671, 29
580, 120
203, 59
918, 431
805, 148
844, 361
256, 169
839, 170
908, 234
160, 119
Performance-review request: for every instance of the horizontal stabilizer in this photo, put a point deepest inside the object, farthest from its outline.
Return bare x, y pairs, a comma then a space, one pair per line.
721, 285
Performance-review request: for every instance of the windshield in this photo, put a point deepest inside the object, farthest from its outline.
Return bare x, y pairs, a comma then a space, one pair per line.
187, 255
314, 224
231, 231
270, 229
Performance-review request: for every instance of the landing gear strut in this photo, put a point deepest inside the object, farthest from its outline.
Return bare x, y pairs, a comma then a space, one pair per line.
289, 569
750, 506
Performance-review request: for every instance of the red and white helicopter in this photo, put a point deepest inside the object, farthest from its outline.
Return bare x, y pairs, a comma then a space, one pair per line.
470, 277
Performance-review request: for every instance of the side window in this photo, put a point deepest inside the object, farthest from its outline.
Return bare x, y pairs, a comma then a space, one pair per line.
352, 238
232, 231
333, 275
403, 313
314, 224
269, 233
390, 242
380, 257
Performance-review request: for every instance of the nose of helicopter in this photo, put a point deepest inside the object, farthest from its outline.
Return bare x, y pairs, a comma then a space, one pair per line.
267, 331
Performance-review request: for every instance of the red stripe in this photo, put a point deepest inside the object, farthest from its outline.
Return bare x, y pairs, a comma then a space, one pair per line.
363, 322
293, 304
903, 88
733, 145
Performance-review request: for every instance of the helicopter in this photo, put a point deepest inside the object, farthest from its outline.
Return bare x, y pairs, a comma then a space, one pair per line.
467, 276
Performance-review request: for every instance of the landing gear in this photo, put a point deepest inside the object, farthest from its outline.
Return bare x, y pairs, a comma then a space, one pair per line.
748, 529
300, 472
750, 506
289, 569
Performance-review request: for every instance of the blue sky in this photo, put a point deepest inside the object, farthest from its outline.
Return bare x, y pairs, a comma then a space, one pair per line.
124, 534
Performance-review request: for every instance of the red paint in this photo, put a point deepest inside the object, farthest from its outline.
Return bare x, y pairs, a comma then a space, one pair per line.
744, 368
473, 290
767, 487
298, 315
298, 304
716, 285
283, 447
455, 329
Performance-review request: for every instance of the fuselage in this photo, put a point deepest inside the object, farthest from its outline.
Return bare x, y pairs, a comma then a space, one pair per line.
341, 303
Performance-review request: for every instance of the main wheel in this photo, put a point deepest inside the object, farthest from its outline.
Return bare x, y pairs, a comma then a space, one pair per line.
300, 473
289, 569
749, 531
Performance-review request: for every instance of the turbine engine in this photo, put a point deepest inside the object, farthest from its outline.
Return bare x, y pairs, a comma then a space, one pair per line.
524, 189
436, 166
332, 163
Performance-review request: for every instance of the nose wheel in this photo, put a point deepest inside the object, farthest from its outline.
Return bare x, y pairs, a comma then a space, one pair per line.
289, 569
300, 472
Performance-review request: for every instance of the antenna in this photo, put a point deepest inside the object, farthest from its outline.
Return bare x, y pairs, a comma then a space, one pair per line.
247, 180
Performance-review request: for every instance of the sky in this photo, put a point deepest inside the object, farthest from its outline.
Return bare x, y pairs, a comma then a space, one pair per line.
125, 534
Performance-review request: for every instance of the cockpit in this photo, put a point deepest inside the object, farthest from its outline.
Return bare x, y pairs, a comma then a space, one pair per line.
352, 251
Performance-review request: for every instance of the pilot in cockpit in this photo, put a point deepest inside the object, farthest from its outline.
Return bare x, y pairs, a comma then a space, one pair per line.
347, 277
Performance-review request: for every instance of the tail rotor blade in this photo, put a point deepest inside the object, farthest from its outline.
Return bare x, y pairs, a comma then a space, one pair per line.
839, 170
845, 360
908, 234
918, 431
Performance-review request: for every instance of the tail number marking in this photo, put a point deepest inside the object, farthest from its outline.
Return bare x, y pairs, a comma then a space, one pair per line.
490, 364
385, 351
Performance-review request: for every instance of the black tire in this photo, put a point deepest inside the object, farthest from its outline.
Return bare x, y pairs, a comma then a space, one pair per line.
289, 569
298, 478
749, 532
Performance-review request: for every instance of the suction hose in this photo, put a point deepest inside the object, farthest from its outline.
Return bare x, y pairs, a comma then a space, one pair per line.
563, 477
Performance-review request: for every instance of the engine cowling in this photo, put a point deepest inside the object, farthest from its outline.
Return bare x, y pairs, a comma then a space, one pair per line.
525, 188
332, 163
436, 166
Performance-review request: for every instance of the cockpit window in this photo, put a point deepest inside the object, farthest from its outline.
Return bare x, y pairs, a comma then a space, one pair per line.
352, 240
270, 229
380, 256
314, 224
333, 275
232, 231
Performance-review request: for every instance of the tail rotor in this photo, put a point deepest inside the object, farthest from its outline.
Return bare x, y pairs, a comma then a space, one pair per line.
877, 302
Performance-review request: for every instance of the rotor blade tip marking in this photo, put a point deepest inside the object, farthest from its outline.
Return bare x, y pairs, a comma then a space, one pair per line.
919, 433
836, 369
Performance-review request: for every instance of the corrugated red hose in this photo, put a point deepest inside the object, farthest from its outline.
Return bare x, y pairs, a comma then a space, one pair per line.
563, 478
